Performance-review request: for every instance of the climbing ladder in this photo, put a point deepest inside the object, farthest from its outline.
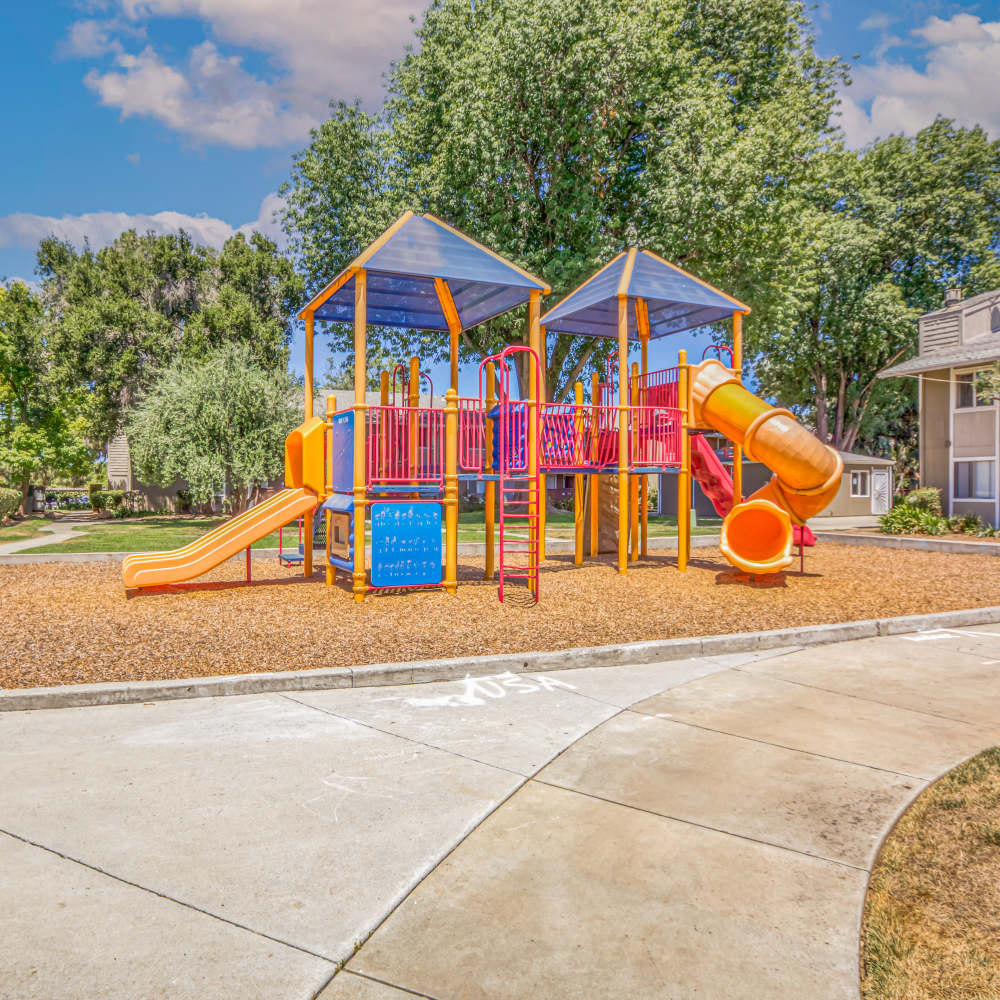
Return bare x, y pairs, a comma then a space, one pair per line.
518, 483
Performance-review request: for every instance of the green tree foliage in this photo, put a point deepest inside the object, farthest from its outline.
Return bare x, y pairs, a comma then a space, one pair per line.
881, 234
559, 131
41, 426
218, 421
121, 314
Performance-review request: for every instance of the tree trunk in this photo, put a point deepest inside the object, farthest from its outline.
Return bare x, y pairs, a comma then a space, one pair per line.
27, 499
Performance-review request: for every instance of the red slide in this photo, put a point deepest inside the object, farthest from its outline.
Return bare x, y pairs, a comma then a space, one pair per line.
711, 475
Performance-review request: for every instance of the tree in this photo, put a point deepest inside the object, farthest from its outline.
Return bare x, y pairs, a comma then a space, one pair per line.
881, 234
123, 313
558, 131
41, 427
219, 422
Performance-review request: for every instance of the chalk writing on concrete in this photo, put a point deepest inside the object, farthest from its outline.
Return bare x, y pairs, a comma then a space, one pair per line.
477, 691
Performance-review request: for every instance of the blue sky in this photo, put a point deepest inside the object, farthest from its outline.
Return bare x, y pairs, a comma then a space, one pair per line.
168, 113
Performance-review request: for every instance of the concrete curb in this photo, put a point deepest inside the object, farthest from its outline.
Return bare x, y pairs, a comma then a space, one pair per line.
902, 542
425, 671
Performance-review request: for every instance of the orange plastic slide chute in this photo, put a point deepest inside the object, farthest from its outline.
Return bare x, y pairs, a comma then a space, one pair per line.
156, 568
757, 534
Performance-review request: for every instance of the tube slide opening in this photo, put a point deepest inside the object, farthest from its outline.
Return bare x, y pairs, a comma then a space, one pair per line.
757, 537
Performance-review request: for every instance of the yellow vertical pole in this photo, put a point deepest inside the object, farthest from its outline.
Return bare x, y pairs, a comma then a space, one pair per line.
644, 487
634, 480
360, 584
534, 314
331, 409
451, 491
684, 473
738, 366
595, 401
309, 365
453, 358
578, 512
490, 494
623, 414
543, 356
414, 402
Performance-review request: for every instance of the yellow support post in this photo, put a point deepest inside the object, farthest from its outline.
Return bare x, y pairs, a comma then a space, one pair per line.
310, 322
490, 494
534, 314
623, 433
634, 480
738, 367
542, 484
360, 583
595, 400
684, 473
451, 491
331, 409
578, 512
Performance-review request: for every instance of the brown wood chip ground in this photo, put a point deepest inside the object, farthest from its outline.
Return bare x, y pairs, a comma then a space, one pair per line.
73, 623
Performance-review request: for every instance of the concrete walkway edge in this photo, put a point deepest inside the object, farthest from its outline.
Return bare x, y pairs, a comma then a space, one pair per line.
906, 542
425, 671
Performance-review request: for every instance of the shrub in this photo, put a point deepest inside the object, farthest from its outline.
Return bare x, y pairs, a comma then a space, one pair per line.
107, 499
927, 498
10, 500
183, 501
905, 519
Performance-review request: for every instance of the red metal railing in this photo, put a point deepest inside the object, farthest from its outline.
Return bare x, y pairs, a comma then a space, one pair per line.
471, 435
405, 445
654, 436
657, 388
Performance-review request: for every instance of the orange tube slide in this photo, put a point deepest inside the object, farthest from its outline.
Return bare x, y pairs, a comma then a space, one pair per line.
757, 534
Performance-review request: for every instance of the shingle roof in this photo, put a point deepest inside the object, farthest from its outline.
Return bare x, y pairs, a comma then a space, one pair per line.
987, 349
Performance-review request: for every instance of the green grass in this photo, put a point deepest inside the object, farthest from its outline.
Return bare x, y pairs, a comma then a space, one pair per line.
160, 534
22, 531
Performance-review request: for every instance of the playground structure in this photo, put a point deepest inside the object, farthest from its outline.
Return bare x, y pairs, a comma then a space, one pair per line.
397, 465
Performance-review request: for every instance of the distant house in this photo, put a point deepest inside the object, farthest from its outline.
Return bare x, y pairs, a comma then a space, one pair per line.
959, 433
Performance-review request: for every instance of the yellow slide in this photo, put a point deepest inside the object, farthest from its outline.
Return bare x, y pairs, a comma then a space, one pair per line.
154, 568
304, 475
757, 534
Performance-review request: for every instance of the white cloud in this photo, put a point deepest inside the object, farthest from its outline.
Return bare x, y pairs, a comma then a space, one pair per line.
318, 50
961, 80
133, 158
24, 230
876, 22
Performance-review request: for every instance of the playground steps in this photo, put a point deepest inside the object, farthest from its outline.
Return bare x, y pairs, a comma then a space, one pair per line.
519, 524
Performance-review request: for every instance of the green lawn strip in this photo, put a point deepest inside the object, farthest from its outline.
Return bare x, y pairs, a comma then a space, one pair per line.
20, 531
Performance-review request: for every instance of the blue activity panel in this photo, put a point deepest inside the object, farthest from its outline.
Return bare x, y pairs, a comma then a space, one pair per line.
406, 544
342, 452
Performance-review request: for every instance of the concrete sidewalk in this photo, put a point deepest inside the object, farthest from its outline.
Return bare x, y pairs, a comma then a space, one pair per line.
702, 828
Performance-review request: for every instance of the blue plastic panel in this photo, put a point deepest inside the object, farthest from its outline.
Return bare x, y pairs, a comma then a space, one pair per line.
406, 544
342, 452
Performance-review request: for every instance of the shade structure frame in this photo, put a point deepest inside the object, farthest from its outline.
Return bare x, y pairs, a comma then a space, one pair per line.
674, 300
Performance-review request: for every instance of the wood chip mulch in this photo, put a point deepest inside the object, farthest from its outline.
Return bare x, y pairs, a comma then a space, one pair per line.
73, 623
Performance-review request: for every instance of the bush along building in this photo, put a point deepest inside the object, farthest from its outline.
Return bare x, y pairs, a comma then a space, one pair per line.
959, 426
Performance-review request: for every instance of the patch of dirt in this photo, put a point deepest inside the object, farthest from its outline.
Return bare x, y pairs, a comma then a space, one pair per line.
65, 623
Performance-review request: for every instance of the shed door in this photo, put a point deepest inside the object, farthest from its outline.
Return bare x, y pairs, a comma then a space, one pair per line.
880, 491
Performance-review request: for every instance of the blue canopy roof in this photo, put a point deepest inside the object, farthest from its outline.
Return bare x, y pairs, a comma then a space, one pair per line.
675, 300
402, 266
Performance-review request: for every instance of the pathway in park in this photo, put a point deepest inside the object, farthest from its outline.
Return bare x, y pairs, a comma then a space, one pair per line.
701, 828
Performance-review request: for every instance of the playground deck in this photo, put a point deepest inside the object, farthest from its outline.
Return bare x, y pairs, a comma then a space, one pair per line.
68, 624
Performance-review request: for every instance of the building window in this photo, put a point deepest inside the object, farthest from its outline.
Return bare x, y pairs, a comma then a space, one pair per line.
974, 480
859, 484
967, 393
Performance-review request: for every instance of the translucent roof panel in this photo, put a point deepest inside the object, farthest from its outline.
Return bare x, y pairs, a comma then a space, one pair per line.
675, 300
401, 267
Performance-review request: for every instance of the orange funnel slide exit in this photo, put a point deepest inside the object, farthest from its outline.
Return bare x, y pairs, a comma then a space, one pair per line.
304, 472
757, 534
